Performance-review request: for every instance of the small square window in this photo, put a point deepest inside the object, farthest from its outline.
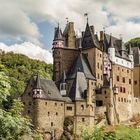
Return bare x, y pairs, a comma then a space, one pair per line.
83, 119
48, 113
51, 123
135, 82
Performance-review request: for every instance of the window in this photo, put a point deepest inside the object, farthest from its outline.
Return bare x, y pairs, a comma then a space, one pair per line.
121, 99
69, 108
123, 80
124, 99
48, 113
82, 107
105, 91
122, 69
120, 89
28, 111
101, 66
98, 65
99, 103
61, 104
127, 71
83, 119
101, 77
51, 123
45, 103
118, 68
55, 104
56, 113
98, 76
100, 55
29, 94
24, 103
123, 90
118, 78
129, 81
135, 82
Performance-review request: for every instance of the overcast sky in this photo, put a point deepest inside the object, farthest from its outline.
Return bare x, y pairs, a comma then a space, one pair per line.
33, 21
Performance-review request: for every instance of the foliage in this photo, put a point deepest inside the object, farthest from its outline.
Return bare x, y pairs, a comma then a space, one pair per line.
68, 128
121, 133
19, 69
94, 134
12, 124
37, 135
135, 42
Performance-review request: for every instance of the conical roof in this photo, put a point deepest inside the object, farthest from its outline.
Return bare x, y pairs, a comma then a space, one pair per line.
58, 34
37, 82
92, 40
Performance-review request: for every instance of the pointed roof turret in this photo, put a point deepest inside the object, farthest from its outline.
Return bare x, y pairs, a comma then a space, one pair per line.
37, 82
58, 34
111, 44
89, 38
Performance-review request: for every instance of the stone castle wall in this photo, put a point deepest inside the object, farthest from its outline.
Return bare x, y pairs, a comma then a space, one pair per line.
49, 116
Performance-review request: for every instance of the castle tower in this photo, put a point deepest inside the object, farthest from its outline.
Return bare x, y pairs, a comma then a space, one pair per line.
111, 50
58, 43
69, 35
64, 51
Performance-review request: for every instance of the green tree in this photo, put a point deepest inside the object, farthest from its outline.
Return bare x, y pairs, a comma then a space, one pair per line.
135, 42
12, 124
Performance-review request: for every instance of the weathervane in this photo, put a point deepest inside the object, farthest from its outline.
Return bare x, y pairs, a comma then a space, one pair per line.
86, 15
67, 19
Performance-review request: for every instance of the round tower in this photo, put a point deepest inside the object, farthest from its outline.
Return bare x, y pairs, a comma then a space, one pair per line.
111, 50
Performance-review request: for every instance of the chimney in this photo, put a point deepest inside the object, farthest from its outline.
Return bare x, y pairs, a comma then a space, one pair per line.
71, 25
101, 35
83, 33
92, 29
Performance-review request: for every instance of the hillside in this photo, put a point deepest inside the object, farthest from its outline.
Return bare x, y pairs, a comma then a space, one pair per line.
19, 69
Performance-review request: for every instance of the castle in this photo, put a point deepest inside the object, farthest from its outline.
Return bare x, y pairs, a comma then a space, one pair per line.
95, 78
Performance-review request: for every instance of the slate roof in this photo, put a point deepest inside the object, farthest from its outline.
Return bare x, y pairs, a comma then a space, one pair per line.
136, 55
79, 87
92, 40
50, 91
81, 65
58, 34
37, 83
120, 49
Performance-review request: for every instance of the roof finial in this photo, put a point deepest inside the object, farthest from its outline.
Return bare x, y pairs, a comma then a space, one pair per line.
86, 15
67, 19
